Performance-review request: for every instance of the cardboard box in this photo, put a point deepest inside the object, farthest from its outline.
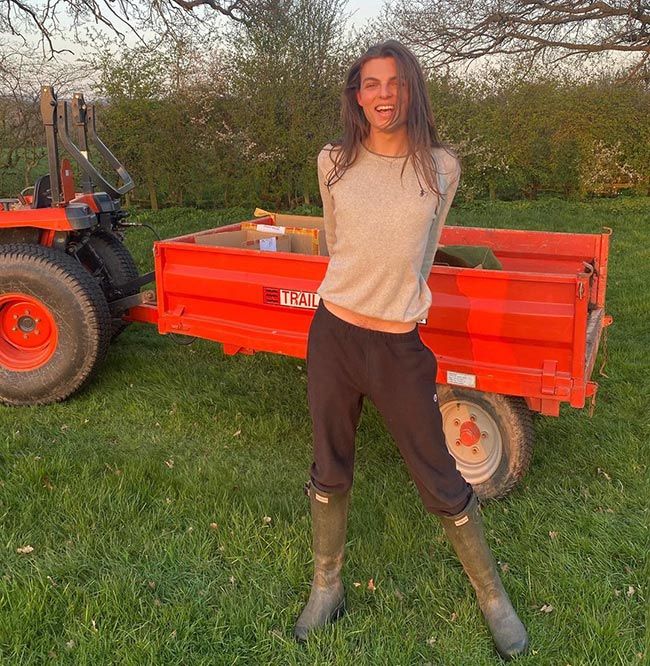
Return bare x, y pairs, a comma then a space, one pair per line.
299, 234
247, 239
308, 225
286, 220
303, 241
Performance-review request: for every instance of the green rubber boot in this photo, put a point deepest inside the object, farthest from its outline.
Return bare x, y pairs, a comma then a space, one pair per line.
465, 531
327, 599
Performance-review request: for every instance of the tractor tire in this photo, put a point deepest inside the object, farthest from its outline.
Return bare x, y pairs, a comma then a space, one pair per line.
489, 435
118, 269
54, 325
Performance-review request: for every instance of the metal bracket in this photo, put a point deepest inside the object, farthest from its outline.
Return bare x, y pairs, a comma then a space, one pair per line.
121, 305
590, 269
549, 370
175, 319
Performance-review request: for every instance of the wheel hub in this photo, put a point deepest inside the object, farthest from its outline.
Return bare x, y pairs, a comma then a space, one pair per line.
26, 324
469, 433
473, 438
28, 332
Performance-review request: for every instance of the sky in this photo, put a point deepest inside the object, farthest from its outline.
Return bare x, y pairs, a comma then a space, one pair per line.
364, 9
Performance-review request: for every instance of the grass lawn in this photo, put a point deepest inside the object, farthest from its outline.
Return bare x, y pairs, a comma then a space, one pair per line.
165, 510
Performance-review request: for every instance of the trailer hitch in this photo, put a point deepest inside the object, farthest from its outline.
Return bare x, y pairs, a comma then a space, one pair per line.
121, 305
136, 283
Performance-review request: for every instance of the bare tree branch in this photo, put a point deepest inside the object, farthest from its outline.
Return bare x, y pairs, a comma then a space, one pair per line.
449, 31
22, 17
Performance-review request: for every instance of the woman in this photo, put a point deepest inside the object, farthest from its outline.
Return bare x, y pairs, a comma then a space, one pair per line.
386, 189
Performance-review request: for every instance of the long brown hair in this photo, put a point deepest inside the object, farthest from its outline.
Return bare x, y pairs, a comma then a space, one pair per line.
421, 127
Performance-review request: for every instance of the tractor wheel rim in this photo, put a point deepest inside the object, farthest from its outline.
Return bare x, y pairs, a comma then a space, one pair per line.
473, 439
28, 333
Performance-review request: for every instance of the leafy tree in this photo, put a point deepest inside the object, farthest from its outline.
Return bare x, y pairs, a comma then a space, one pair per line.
132, 88
286, 74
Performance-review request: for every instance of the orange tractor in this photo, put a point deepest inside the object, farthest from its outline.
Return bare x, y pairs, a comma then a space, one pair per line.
65, 274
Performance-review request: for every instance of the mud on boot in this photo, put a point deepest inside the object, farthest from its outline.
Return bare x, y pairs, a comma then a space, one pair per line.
465, 531
327, 598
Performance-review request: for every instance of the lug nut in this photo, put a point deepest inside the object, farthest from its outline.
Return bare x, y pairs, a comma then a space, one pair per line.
474, 450
472, 417
484, 435
458, 442
456, 422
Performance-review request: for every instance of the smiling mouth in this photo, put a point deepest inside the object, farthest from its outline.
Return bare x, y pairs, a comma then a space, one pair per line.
385, 110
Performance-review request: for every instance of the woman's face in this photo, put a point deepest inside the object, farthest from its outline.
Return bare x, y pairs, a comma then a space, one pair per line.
379, 94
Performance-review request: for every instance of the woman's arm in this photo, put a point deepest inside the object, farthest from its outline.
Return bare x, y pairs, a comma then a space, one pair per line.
324, 167
448, 179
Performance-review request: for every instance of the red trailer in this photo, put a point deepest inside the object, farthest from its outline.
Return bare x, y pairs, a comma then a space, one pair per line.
509, 342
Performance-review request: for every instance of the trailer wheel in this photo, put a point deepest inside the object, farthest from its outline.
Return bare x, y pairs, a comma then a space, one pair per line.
489, 435
54, 325
118, 269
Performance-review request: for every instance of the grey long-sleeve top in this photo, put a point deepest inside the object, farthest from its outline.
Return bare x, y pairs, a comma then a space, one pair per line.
382, 231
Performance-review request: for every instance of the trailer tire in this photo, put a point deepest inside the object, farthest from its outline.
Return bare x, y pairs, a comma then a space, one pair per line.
119, 268
54, 325
489, 435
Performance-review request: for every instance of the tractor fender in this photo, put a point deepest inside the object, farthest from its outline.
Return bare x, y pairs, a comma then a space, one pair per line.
73, 217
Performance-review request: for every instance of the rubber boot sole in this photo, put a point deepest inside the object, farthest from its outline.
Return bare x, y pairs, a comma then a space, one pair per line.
334, 616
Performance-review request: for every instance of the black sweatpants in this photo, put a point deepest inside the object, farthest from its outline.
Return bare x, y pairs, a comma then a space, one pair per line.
397, 372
